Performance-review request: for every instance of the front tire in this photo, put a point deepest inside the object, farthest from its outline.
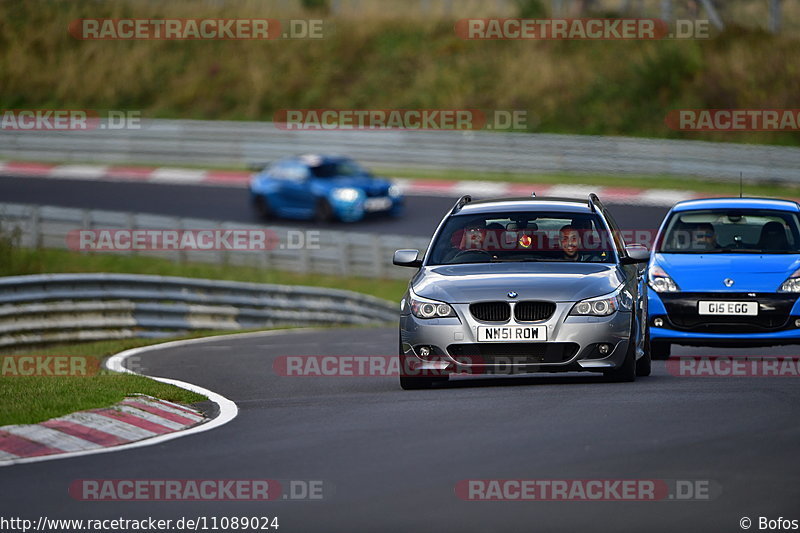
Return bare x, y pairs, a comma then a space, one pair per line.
263, 210
627, 371
660, 350
645, 363
323, 212
417, 383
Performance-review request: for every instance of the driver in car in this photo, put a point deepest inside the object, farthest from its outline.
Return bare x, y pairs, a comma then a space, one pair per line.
472, 238
705, 238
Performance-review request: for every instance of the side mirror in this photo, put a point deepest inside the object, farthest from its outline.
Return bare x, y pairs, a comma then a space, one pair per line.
407, 258
637, 254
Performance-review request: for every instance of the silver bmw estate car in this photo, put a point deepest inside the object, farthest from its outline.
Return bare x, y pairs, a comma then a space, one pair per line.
524, 285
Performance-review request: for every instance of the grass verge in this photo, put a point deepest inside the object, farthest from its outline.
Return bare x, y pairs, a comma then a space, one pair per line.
33, 399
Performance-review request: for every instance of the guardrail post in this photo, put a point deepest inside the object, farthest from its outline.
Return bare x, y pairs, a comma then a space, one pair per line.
130, 222
36, 227
344, 254
377, 256
180, 254
304, 257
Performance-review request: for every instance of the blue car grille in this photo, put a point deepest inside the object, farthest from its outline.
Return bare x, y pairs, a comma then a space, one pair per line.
773, 312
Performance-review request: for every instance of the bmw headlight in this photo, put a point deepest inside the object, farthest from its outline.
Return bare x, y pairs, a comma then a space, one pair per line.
604, 305
660, 281
394, 191
792, 284
346, 194
424, 308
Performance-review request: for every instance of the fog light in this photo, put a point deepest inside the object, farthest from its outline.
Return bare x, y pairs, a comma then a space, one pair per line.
424, 351
797, 323
604, 349
658, 322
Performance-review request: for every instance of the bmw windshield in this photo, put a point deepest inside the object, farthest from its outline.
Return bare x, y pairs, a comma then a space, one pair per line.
755, 231
522, 236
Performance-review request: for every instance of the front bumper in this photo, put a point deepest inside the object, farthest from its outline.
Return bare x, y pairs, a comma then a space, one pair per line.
775, 324
366, 206
572, 344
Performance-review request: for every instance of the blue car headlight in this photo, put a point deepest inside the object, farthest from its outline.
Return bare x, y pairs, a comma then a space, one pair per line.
660, 281
394, 191
345, 194
792, 284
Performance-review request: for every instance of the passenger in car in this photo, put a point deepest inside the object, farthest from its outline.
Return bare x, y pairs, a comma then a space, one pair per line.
569, 240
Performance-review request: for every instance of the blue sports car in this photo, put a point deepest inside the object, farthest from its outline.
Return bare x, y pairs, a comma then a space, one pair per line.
322, 188
725, 272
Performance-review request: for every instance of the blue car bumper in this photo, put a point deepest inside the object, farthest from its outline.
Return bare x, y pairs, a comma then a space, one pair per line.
357, 210
786, 333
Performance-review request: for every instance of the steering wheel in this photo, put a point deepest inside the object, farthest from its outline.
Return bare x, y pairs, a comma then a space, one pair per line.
477, 254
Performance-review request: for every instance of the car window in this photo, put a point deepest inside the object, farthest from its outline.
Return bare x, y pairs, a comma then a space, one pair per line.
337, 168
296, 171
522, 236
760, 231
278, 170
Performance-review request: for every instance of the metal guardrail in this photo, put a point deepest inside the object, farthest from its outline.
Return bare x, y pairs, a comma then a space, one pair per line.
224, 143
43, 309
338, 252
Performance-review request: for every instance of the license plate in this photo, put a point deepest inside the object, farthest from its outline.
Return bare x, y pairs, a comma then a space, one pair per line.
728, 308
377, 204
512, 333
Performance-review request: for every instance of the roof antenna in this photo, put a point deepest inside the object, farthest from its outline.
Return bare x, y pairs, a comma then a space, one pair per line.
740, 184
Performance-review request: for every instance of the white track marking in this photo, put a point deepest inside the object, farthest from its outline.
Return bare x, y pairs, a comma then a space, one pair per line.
150, 417
51, 438
227, 409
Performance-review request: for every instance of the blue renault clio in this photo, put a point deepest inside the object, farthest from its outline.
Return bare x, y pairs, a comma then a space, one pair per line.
322, 188
724, 272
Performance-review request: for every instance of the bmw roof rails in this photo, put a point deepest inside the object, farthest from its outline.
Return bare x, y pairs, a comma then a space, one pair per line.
464, 200
594, 202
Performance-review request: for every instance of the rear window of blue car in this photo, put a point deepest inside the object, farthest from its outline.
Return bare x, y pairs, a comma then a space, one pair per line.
758, 231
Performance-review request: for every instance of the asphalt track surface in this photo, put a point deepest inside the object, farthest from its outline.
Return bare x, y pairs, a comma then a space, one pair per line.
390, 459
422, 215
